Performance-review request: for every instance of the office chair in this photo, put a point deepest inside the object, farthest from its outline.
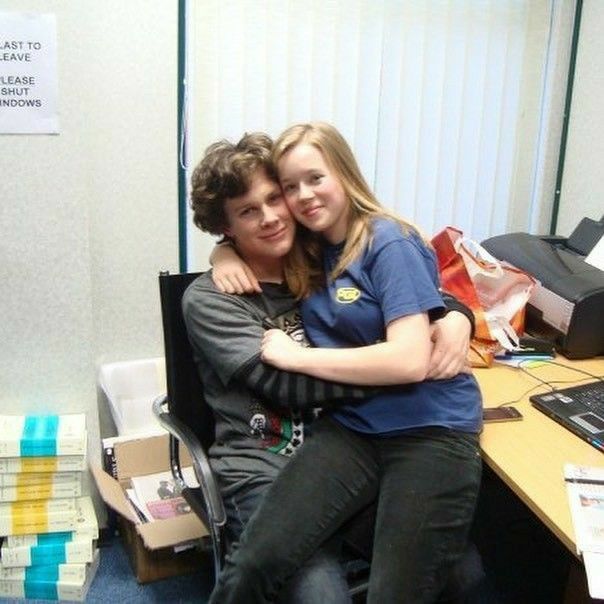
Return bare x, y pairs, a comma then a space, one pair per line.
186, 417
184, 413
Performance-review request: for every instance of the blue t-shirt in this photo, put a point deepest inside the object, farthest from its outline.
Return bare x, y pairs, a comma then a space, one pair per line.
395, 276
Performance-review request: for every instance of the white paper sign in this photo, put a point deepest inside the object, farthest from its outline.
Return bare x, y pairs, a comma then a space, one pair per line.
596, 256
28, 74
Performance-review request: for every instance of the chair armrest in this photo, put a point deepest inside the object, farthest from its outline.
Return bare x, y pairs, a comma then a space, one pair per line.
180, 432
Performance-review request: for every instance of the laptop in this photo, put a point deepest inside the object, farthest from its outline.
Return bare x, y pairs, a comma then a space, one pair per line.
579, 408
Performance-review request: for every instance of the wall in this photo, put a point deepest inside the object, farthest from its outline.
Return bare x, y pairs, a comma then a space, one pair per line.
89, 217
582, 191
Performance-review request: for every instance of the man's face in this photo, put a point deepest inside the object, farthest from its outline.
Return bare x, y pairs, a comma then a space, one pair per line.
260, 222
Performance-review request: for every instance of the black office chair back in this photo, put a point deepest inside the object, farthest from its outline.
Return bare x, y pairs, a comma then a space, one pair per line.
185, 390
184, 412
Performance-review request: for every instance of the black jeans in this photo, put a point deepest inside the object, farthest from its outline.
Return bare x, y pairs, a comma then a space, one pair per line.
320, 580
426, 482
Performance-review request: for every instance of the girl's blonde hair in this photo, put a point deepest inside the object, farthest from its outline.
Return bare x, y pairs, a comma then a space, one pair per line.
304, 269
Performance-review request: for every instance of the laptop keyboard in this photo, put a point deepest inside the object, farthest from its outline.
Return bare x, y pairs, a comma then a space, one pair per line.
590, 395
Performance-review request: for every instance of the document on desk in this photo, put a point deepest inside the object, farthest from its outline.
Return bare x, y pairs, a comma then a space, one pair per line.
594, 568
525, 361
585, 489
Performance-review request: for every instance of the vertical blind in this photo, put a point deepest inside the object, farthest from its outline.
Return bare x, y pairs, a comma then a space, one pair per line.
440, 99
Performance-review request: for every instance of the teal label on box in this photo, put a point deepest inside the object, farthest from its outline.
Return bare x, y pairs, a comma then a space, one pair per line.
41, 591
39, 574
39, 438
49, 553
64, 537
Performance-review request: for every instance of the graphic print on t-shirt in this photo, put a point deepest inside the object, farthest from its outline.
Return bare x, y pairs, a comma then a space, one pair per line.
347, 295
280, 434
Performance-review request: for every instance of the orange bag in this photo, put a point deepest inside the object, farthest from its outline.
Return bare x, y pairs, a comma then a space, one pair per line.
495, 291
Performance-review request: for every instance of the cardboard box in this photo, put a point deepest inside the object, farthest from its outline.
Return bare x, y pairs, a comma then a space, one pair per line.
25, 465
58, 548
150, 545
64, 586
42, 435
38, 516
84, 527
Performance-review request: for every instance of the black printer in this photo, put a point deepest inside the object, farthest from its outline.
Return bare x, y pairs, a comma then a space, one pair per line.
568, 305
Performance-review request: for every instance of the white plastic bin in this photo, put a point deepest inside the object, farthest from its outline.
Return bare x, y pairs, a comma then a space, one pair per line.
131, 387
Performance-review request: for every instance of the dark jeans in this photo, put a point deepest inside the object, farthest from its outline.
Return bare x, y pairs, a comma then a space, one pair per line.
320, 579
426, 482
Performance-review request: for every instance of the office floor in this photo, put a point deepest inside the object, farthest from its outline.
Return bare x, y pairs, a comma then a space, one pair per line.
115, 582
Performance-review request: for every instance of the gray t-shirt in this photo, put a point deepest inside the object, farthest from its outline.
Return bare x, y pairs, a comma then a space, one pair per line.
253, 440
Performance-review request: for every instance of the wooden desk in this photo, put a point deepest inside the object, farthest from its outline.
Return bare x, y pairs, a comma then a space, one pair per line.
529, 455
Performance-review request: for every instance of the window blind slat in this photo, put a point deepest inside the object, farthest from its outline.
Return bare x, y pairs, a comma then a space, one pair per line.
440, 99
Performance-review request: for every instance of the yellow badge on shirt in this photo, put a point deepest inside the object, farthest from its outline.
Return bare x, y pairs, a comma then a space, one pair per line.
347, 295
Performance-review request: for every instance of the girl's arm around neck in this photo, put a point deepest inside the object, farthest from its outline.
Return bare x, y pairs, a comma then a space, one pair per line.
402, 359
230, 273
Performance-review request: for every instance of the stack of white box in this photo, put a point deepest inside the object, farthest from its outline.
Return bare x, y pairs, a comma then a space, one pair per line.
48, 529
131, 387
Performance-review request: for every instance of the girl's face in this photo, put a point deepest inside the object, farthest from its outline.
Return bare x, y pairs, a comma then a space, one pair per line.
314, 192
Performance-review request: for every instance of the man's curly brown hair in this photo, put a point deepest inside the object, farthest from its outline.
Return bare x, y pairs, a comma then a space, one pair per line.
224, 172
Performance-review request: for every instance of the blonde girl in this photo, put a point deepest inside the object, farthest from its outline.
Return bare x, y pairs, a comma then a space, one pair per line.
369, 291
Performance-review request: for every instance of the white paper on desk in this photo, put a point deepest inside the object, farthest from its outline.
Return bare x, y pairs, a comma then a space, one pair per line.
585, 490
594, 569
596, 256
523, 361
